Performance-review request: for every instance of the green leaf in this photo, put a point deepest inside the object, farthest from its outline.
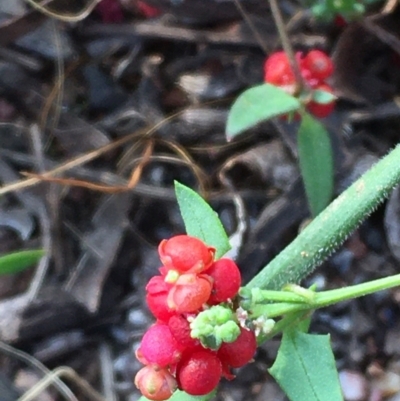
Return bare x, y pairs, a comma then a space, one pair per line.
18, 261
323, 97
316, 163
182, 396
305, 368
200, 220
258, 104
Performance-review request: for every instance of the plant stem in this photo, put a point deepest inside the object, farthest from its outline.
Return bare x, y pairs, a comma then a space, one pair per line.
287, 47
322, 299
332, 226
326, 298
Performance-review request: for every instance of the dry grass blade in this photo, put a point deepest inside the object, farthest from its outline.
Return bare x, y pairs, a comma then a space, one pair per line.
29, 360
65, 17
135, 177
197, 171
80, 160
63, 371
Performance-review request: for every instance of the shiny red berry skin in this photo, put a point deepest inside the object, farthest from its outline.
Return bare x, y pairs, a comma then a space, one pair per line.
199, 373
319, 64
318, 109
159, 347
180, 329
155, 383
156, 298
277, 70
240, 351
186, 254
226, 280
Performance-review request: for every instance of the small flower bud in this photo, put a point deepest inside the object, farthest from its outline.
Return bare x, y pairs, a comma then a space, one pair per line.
214, 326
155, 383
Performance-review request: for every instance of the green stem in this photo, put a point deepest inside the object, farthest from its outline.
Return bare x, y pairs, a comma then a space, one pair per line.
332, 226
258, 296
326, 298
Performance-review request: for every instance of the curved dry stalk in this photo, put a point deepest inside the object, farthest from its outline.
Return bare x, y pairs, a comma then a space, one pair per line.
56, 93
82, 159
197, 170
65, 17
62, 371
33, 362
136, 174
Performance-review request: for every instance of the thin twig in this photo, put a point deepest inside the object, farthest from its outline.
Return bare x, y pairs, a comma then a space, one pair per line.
287, 47
251, 25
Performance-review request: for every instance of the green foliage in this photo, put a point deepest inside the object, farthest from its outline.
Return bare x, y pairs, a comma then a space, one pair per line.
305, 368
258, 104
18, 261
316, 162
200, 220
348, 9
323, 97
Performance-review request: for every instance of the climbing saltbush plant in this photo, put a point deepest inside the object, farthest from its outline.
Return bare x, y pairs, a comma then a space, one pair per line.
197, 340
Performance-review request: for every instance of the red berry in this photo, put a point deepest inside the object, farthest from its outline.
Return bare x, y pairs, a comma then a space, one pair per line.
340, 21
319, 109
277, 70
186, 254
199, 373
147, 10
227, 280
159, 346
154, 383
239, 352
156, 298
180, 329
189, 293
319, 64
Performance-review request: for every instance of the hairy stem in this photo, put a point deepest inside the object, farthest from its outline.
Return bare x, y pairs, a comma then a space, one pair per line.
332, 226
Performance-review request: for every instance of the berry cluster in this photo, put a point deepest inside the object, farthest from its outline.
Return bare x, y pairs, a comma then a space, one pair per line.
315, 67
196, 339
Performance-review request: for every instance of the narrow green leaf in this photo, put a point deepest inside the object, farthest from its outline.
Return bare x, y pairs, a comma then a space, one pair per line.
305, 368
316, 163
18, 261
182, 396
258, 104
200, 220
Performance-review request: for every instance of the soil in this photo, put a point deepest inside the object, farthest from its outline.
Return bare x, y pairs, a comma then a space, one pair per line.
101, 112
